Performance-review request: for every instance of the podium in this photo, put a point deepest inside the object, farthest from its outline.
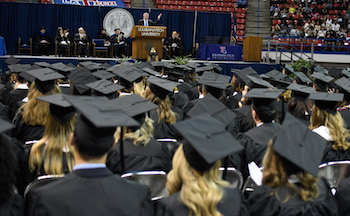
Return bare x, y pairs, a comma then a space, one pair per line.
252, 47
146, 37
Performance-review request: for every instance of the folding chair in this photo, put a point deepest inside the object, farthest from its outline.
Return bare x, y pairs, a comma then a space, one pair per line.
172, 145
41, 181
233, 176
334, 172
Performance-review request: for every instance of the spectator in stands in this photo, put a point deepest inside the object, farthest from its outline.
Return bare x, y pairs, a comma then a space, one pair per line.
292, 9
329, 42
62, 41
103, 35
322, 32
284, 14
329, 5
147, 22
335, 26
81, 40
276, 13
242, 4
308, 25
174, 45
118, 42
324, 10
294, 32
284, 32
43, 42
329, 22
317, 27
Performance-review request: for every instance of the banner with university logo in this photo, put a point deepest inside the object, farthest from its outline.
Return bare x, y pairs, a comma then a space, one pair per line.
220, 52
110, 3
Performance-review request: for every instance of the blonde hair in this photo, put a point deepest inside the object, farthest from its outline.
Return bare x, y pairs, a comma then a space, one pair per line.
141, 136
200, 192
36, 112
139, 87
55, 139
164, 109
277, 171
335, 124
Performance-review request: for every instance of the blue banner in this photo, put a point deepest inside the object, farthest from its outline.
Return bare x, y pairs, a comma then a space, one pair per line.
220, 52
110, 3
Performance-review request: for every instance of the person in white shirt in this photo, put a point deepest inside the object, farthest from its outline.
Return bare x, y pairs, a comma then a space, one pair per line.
147, 22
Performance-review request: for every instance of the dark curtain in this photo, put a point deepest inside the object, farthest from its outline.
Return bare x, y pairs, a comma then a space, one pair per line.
25, 19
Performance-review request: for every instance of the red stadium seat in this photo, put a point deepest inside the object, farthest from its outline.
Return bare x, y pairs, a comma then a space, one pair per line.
240, 26
212, 4
333, 12
240, 15
204, 3
240, 33
161, 6
343, 12
197, 3
240, 38
275, 22
240, 10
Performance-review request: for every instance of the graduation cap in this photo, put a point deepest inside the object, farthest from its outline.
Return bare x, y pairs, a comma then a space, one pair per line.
102, 74
105, 65
326, 101
304, 69
104, 87
203, 69
301, 78
346, 73
257, 82
60, 109
62, 67
101, 112
242, 74
206, 141
209, 104
71, 65
299, 145
5, 126
300, 91
214, 80
322, 81
280, 84
344, 84
45, 79
275, 74
135, 106
42, 64
152, 72
127, 75
289, 69
184, 68
145, 64
80, 77
193, 65
27, 77
91, 65
18, 68
335, 73
320, 69
11, 60
161, 87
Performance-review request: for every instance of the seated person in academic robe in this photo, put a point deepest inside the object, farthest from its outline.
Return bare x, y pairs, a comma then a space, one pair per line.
147, 22
343, 198
344, 108
118, 42
328, 123
256, 139
16, 95
32, 116
91, 189
131, 79
51, 155
289, 184
11, 203
81, 39
174, 45
164, 117
103, 35
62, 41
194, 185
43, 42
141, 151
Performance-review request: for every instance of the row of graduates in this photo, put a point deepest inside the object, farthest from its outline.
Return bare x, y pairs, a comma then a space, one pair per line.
207, 138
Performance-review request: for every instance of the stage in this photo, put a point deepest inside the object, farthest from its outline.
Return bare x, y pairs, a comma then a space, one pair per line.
226, 65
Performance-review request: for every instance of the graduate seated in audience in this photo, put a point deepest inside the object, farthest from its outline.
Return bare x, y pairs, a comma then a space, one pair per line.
328, 123
42, 42
289, 184
132, 80
256, 139
16, 95
194, 185
344, 108
92, 189
141, 151
158, 91
52, 155
32, 116
343, 198
11, 203
81, 39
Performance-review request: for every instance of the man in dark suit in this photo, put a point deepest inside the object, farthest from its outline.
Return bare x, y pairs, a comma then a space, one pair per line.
174, 45
118, 42
147, 22
91, 189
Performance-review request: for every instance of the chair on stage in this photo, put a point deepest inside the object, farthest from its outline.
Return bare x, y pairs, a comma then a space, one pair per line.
76, 47
98, 46
233, 176
67, 49
155, 180
41, 181
25, 46
334, 172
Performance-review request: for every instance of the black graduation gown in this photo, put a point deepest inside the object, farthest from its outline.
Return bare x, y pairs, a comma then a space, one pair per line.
264, 203
153, 156
4, 112
335, 155
343, 198
12, 207
24, 132
244, 117
232, 203
189, 105
346, 117
90, 192
255, 142
15, 96
162, 129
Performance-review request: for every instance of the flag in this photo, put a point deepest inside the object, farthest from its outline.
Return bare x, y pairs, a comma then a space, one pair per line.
233, 30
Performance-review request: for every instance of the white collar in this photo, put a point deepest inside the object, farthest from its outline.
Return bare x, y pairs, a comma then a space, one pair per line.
64, 85
124, 94
324, 132
22, 86
25, 99
235, 93
261, 123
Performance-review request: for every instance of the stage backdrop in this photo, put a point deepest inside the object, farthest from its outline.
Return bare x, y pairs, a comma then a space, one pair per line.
25, 19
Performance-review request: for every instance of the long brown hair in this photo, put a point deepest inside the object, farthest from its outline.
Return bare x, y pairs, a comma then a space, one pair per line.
36, 112
200, 192
335, 124
55, 139
277, 171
